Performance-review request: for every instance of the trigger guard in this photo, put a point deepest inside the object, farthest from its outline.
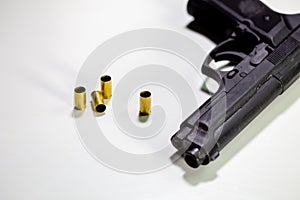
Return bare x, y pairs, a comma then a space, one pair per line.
233, 57
210, 72
226, 51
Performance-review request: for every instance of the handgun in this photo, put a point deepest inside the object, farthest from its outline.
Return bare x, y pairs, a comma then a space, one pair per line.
263, 48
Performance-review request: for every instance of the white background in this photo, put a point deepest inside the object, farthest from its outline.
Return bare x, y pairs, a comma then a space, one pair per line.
42, 47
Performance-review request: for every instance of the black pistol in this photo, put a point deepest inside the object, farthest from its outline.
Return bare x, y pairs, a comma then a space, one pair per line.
263, 46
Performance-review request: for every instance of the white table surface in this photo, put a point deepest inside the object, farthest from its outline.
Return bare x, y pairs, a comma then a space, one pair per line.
43, 45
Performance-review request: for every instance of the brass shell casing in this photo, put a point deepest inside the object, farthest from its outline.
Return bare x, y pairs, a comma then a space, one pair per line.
80, 98
98, 102
145, 103
106, 86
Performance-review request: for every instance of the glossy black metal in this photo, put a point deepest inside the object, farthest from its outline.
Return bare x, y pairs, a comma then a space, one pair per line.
264, 47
